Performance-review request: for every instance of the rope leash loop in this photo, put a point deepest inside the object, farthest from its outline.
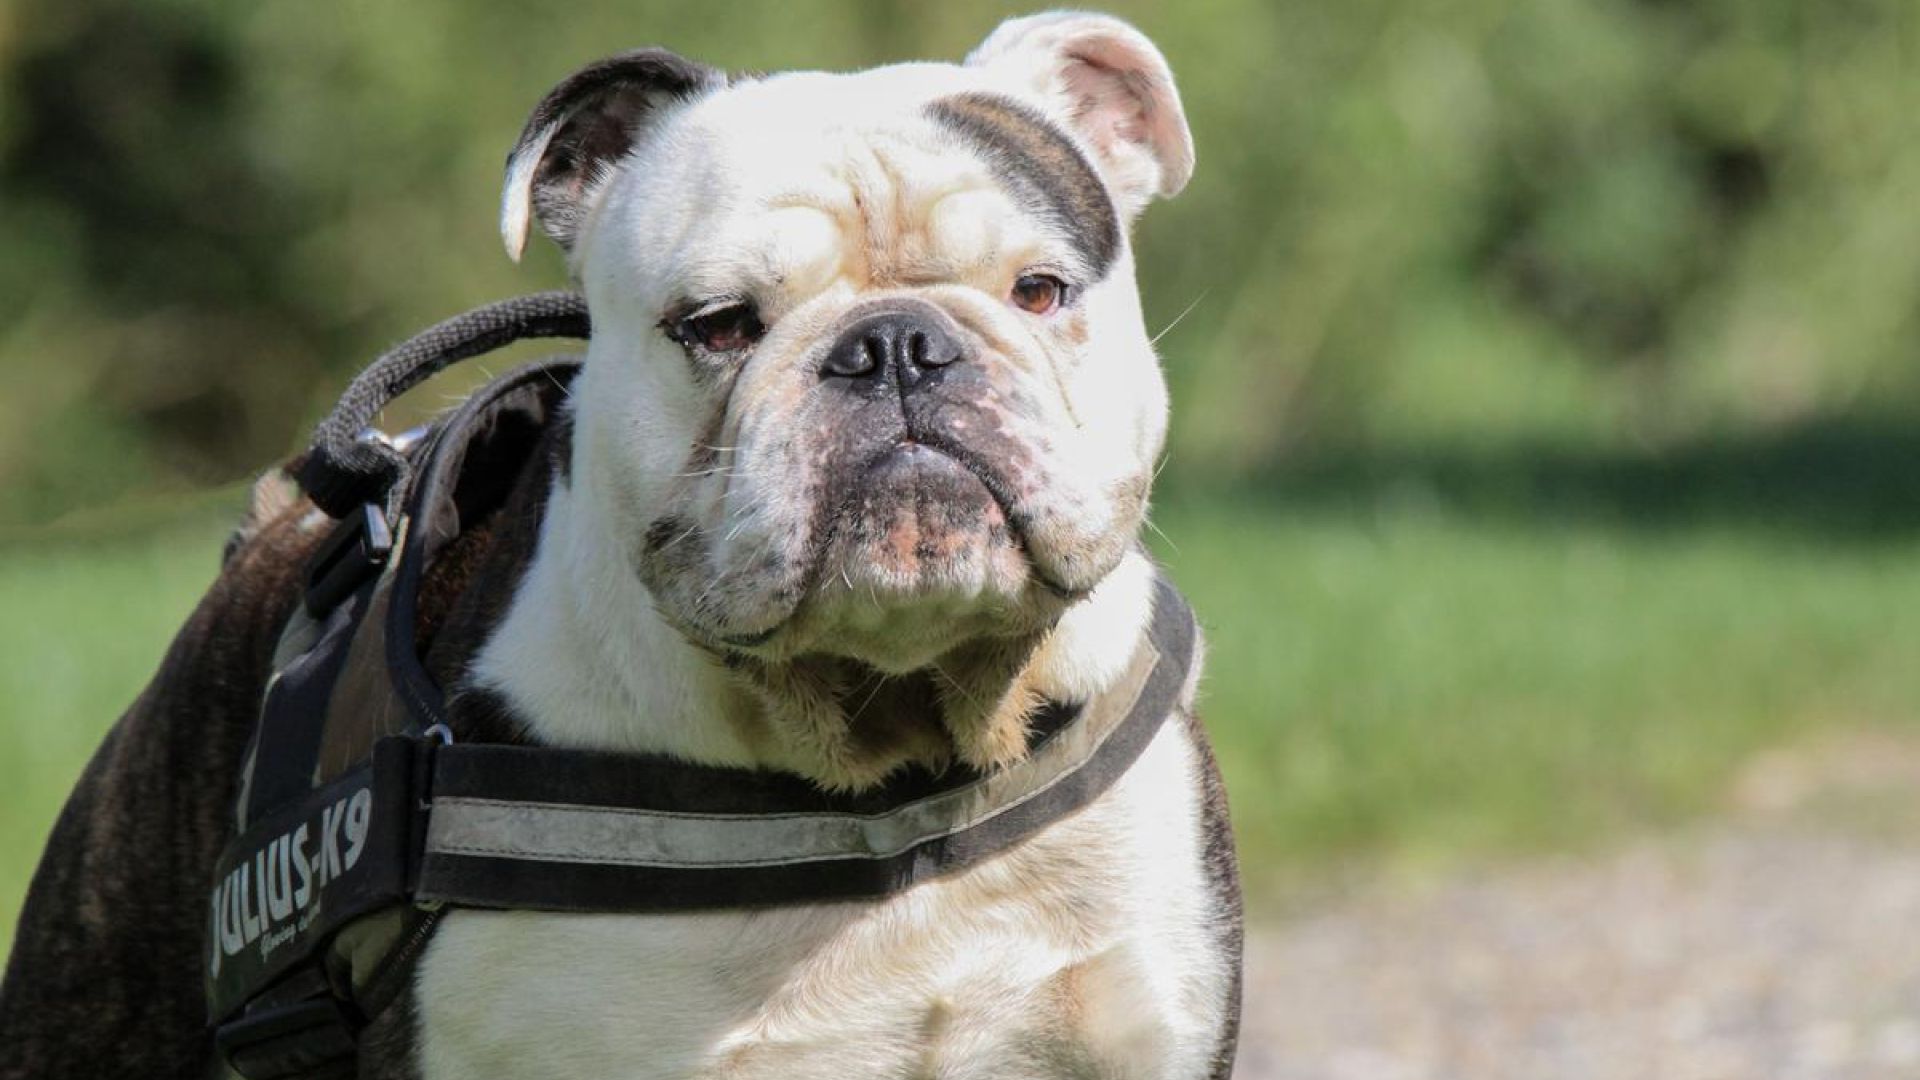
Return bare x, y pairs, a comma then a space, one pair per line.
343, 469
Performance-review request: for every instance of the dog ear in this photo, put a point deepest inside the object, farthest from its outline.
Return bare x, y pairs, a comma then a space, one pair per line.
1107, 83
580, 129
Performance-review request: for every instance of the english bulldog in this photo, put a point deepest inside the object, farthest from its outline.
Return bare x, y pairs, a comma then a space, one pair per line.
852, 478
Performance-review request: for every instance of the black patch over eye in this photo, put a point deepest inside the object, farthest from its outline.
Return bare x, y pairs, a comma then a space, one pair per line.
1041, 294
718, 330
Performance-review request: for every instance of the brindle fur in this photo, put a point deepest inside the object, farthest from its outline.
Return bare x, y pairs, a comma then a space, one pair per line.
105, 979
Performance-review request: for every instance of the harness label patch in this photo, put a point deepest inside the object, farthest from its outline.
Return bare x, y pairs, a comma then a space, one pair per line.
271, 898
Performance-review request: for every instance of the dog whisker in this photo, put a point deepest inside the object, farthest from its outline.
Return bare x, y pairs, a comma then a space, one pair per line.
956, 685
1167, 329
1161, 533
878, 680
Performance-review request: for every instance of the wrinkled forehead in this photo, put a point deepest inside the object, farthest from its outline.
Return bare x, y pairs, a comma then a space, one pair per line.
918, 170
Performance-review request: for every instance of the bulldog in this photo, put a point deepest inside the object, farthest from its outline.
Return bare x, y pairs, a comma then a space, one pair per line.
851, 479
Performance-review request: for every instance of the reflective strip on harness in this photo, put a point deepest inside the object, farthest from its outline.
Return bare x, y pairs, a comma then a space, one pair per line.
625, 836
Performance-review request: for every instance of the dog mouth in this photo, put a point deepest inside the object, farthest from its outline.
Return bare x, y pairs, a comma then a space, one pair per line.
911, 509
918, 523
997, 488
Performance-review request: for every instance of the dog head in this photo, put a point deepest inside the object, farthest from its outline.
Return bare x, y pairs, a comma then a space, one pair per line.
868, 376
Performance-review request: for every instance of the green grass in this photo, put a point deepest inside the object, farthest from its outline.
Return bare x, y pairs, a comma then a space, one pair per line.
1413, 686
1384, 684
82, 626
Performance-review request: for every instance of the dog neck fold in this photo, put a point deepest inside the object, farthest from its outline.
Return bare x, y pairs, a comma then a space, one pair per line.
848, 727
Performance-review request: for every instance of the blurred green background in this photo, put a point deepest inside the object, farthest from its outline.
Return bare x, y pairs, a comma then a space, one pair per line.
1547, 413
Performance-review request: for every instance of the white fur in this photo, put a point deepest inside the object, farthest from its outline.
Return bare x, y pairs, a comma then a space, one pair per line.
1088, 950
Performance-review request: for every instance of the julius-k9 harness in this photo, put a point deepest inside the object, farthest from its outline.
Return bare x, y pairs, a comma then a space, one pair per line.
360, 820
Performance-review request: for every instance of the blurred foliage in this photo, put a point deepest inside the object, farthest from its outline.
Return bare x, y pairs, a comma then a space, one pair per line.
1591, 225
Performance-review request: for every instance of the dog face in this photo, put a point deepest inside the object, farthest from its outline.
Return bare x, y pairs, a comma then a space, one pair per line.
868, 376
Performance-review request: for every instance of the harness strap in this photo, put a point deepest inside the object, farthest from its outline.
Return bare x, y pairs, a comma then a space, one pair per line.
429, 517
297, 1030
567, 830
286, 741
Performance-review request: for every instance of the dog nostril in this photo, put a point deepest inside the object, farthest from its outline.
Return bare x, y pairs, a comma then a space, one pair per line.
934, 350
852, 362
893, 344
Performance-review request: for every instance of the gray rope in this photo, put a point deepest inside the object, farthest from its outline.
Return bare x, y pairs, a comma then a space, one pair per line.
342, 470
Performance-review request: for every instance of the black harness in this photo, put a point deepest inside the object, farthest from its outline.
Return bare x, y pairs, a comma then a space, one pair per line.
360, 819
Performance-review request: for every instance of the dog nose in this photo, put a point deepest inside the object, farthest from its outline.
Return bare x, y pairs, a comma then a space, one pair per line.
899, 344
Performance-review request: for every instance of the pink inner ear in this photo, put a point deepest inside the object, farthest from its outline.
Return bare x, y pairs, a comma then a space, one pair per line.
1109, 103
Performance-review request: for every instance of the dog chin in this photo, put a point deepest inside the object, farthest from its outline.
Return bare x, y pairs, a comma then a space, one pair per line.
918, 558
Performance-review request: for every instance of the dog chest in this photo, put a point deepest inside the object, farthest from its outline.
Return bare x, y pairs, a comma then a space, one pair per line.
1091, 946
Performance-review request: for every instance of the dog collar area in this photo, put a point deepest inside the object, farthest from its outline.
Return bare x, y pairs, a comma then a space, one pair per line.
359, 821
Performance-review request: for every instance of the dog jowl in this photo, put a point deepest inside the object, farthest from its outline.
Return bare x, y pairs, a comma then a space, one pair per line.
850, 484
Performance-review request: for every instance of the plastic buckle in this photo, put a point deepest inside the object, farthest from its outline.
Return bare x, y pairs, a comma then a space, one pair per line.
357, 550
312, 1037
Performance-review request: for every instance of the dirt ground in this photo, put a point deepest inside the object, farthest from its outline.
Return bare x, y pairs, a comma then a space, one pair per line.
1780, 941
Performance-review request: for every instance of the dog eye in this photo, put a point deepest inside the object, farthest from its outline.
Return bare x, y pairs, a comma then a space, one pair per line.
1041, 294
719, 330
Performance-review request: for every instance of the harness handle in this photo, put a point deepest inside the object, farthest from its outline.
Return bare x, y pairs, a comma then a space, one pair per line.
344, 469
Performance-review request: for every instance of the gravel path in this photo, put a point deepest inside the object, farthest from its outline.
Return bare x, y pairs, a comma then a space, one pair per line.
1782, 942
